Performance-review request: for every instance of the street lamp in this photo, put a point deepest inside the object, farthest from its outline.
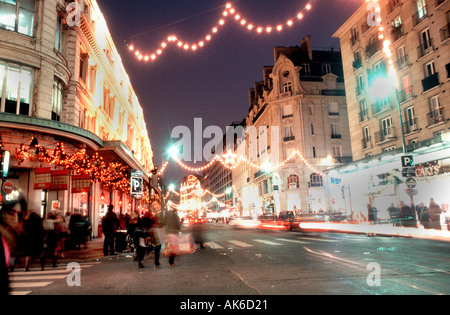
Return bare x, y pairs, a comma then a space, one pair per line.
382, 88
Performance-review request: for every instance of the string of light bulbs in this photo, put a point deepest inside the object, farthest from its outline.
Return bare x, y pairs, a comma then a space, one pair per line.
230, 161
230, 13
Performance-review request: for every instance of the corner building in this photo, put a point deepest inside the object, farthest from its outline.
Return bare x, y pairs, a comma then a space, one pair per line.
68, 112
418, 32
299, 107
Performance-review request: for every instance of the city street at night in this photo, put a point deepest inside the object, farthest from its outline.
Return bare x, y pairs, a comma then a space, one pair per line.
261, 262
270, 148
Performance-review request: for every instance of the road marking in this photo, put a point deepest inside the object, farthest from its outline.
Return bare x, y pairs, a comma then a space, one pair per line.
37, 277
268, 242
28, 284
291, 241
213, 245
19, 292
241, 244
320, 239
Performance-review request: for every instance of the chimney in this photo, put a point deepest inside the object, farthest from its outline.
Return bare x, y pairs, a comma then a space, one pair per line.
306, 46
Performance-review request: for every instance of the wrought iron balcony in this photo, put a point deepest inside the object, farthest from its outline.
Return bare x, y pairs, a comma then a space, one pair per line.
430, 81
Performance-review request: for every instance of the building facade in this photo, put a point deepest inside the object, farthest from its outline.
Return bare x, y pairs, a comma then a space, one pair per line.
68, 113
411, 119
298, 118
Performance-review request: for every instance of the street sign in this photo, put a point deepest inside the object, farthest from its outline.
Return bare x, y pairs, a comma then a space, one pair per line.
407, 161
409, 172
8, 187
137, 183
411, 183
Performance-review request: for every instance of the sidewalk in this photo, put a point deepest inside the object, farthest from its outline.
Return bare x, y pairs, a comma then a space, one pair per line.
377, 229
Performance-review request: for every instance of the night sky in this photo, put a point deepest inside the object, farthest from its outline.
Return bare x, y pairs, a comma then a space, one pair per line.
211, 83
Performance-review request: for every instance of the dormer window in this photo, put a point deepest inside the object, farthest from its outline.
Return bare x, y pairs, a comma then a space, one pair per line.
287, 87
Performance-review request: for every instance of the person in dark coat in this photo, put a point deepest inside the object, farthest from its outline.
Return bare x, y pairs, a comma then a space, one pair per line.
173, 226
110, 223
143, 233
78, 227
34, 237
435, 214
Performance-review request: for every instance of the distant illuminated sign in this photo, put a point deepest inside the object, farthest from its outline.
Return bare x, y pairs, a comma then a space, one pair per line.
5, 164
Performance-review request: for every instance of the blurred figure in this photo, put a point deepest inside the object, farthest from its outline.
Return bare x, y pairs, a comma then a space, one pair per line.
143, 234
423, 214
173, 226
33, 241
110, 223
50, 240
11, 229
197, 232
372, 213
157, 238
77, 227
408, 215
435, 214
394, 214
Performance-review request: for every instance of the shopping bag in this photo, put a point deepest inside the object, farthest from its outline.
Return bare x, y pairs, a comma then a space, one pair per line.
179, 244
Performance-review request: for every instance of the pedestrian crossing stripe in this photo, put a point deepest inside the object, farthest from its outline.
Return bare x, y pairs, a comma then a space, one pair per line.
27, 279
268, 242
241, 244
213, 245
291, 241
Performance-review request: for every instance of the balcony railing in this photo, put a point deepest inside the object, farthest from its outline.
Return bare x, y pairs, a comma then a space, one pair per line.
405, 94
360, 90
381, 106
397, 32
289, 138
335, 135
445, 33
372, 48
436, 116
366, 143
402, 62
420, 15
363, 115
385, 135
410, 126
425, 48
430, 81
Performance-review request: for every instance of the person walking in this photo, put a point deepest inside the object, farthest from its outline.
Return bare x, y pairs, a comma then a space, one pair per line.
110, 222
173, 226
435, 214
143, 233
33, 241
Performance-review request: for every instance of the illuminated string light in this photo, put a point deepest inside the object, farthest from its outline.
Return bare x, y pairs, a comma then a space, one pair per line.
229, 13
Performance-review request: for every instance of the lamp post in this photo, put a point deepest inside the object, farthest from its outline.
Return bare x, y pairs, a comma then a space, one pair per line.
382, 88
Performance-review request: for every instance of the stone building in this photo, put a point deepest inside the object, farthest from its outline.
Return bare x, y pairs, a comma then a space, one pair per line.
298, 117
68, 112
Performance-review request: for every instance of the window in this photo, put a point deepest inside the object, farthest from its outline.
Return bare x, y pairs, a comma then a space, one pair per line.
421, 8
410, 119
335, 134
15, 89
57, 100
337, 151
312, 129
386, 128
314, 151
287, 87
364, 111
59, 34
326, 68
306, 68
425, 43
288, 133
333, 108
17, 16
287, 111
315, 180
436, 112
354, 35
430, 69
293, 182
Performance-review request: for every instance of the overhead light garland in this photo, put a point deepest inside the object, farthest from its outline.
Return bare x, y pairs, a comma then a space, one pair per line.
229, 13
230, 161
